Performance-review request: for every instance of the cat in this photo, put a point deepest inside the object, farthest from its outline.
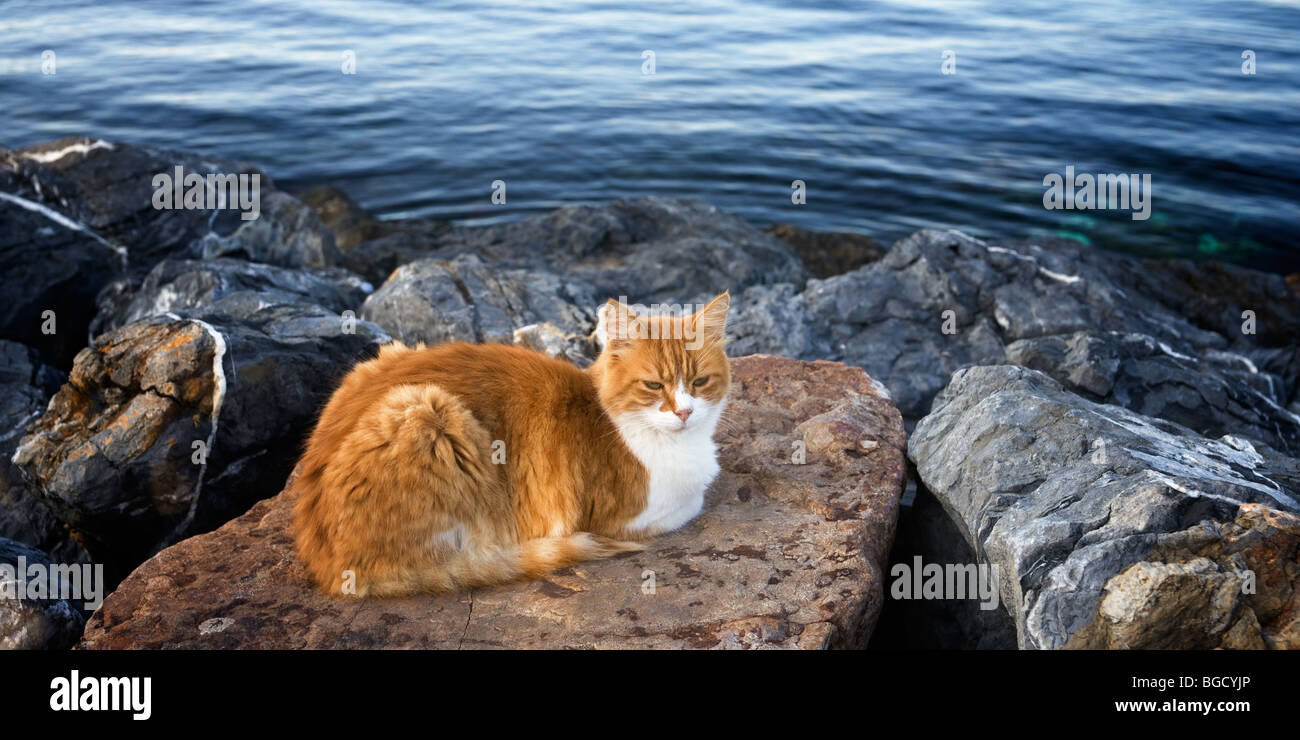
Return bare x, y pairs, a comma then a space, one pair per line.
437, 469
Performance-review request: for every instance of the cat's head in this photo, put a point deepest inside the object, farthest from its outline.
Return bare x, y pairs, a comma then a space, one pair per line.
664, 370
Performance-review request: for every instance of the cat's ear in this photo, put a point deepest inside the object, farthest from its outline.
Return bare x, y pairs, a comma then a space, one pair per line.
711, 321
615, 325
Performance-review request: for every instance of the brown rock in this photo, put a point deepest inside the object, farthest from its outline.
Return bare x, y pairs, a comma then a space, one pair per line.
784, 554
828, 253
1231, 586
111, 453
1293, 281
349, 222
353, 225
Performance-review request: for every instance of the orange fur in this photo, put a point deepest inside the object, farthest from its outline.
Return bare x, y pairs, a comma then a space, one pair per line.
398, 485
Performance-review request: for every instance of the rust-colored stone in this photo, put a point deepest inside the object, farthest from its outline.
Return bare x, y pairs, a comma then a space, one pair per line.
783, 555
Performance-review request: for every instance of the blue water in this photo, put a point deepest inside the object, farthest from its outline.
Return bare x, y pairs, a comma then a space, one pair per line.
746, 97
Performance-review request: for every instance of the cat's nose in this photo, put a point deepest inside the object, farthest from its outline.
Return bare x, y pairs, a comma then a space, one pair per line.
684, 414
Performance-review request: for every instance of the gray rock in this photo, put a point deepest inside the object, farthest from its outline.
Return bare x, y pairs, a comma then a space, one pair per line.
1216, 393
285, 233
377, 258
434, 301
942, 300
178, 285
48, 264
1063, 494
108, 188
35, 623
650, 250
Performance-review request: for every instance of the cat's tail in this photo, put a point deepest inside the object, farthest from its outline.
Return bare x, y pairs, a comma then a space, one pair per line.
486, 567
536, 558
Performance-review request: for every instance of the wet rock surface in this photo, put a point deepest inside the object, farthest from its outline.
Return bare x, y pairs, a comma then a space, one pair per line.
649, 250
783, 555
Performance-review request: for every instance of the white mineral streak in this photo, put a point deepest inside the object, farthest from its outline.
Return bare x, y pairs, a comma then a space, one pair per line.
218, 396
65, 222
78, 148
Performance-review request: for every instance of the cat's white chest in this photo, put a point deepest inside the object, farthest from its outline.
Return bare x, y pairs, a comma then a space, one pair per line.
681, 468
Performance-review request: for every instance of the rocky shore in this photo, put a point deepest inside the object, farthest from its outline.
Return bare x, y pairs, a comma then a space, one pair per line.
1120, 437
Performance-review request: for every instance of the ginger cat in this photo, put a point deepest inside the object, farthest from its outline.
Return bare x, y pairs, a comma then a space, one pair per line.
442, 468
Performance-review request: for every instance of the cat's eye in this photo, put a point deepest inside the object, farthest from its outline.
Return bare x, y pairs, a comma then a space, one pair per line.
700, 381
653, 385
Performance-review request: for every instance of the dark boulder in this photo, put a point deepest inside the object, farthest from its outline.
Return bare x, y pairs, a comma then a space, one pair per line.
32, 619
173, 424
179, 285
77, 213
25, 388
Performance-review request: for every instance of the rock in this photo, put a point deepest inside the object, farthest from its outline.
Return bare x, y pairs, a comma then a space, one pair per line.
108, 189
172, 425
783, 555
50, 271
1231, 586
286, 233
1234, 586
1214, 394
22, 373
77, 213
1064, 495
352, 227
547, 338
25, 387
349, 223
376, 259
180, 285
34, 623
434, 301
1214, 296
649, 250
827, 253
1293, 282
941, 300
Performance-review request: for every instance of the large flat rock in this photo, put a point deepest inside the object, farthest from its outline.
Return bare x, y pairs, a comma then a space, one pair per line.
785, 554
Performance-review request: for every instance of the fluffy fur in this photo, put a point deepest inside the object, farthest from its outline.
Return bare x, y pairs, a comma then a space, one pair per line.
443, 468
